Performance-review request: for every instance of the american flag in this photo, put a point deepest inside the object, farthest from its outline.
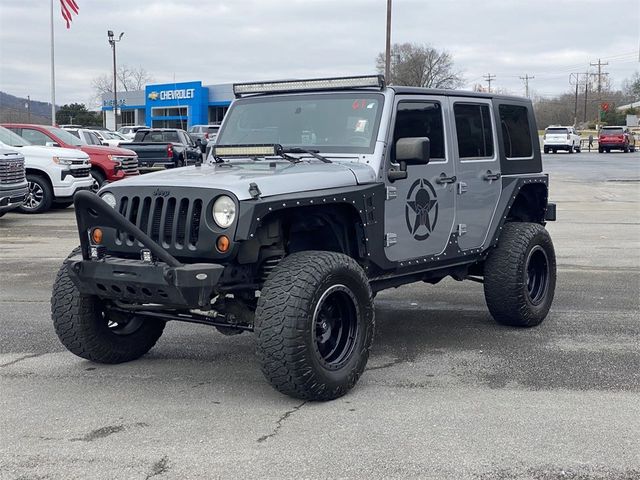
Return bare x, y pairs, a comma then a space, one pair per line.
68, 8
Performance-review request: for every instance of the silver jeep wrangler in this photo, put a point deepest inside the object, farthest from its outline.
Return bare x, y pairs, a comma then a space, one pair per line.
317, 195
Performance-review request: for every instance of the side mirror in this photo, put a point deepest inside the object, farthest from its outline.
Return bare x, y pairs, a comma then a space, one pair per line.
51, 144
413, 150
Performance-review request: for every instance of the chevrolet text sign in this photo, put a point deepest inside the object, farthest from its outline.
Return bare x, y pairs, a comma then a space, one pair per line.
177, 94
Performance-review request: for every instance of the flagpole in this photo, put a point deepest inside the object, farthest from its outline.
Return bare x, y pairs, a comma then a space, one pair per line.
53, 75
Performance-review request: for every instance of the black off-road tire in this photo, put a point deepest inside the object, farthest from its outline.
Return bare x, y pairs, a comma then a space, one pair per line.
287, 324
99, 180
83, 330
511, 295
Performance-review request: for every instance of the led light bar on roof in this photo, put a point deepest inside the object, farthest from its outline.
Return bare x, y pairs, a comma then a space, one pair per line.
343, 83
245, 150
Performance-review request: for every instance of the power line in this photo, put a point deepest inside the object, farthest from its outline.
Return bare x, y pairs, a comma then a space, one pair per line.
489, 78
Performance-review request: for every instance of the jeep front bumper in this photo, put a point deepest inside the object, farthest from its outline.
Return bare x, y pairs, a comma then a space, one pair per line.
160, 279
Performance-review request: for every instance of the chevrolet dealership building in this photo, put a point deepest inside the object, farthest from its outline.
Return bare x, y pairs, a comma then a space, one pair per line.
170, 105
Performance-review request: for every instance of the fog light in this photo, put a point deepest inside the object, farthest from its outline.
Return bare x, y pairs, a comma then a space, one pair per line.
96, 236
223, 243
146, 256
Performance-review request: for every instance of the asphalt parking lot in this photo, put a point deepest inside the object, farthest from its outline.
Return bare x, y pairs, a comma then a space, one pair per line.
448, 393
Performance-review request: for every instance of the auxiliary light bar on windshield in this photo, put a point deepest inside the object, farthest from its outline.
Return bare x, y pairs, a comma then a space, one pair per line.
341, 83
246, 150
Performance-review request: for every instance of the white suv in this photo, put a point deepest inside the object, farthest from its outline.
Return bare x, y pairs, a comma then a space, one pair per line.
54, 174
557, 137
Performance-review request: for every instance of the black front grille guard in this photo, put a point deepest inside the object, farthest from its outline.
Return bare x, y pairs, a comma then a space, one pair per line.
92, 211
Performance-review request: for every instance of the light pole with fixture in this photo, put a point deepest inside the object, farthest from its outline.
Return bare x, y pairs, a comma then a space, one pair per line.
112, 42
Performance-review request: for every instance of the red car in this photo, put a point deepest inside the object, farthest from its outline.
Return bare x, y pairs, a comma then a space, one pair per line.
108, 164
616, 138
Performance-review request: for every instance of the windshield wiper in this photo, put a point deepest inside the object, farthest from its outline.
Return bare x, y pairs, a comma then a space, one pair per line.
313, 153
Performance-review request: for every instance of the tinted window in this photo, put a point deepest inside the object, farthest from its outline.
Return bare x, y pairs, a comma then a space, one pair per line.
421, 119
557, 131
473, 128
75, 133
516, 136
612, 131
35, 137
213, 129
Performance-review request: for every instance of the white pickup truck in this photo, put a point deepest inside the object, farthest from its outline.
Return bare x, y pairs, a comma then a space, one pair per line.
557, 137
54, 174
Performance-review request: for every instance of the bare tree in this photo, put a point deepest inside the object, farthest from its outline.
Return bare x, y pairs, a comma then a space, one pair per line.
128, 79
420, 66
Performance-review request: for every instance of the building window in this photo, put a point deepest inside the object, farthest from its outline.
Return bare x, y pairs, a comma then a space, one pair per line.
216, 114
169, 112
127, 117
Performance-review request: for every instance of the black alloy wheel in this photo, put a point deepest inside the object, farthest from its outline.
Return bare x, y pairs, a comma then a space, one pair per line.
335, 323
537, 275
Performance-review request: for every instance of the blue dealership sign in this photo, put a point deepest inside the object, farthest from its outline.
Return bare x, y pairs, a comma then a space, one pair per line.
190, 95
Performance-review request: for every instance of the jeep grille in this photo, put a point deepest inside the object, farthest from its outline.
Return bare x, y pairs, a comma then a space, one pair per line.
169, 221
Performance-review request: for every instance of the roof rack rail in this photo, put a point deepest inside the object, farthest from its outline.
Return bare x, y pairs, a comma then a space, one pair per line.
335, 83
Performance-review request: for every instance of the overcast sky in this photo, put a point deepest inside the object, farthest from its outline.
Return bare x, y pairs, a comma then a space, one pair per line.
240, 40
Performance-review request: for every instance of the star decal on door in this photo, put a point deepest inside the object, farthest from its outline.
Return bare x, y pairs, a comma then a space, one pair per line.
421, 209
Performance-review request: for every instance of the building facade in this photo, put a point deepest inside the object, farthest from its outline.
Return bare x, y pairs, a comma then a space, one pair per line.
170, 105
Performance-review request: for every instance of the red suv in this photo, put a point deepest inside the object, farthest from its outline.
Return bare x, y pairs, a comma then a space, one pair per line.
616, 138
108, 164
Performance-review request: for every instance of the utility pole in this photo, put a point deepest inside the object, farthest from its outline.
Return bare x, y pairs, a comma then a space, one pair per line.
586, 93
599, 74
526, 79
489, 78
387, 51
28, 105
112, 42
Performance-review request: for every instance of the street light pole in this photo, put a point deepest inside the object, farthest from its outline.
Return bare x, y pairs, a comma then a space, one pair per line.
112, 42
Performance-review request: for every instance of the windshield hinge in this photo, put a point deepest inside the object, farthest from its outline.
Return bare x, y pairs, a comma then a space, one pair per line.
254, 191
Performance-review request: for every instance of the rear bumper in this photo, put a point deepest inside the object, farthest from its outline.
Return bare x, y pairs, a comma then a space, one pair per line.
558, 146
620, 145
163, 280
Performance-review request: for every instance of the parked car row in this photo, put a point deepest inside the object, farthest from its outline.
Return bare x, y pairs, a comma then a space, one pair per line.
42, 166
558, 137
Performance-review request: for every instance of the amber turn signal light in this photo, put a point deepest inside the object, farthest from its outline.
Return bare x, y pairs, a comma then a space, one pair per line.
96, 236
223, 243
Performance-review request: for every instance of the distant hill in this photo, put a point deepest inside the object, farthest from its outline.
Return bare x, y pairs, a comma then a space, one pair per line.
12, 109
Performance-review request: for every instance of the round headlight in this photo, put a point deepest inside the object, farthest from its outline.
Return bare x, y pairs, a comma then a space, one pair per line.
224, 211
109, 199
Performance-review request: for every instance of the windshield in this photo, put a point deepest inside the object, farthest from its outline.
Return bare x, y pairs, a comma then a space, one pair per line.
12, 139
611, 131
66, 137
333, 123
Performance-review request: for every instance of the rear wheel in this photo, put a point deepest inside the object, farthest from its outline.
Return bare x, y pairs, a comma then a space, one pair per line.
600, 150
39, 195
520, 275
314, 323
546, 150
570, 149
89, 329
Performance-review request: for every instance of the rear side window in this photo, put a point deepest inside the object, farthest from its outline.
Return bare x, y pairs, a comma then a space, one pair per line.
516, 136
473, 129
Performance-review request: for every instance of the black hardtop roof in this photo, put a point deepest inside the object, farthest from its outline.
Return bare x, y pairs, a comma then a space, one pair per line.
402, 90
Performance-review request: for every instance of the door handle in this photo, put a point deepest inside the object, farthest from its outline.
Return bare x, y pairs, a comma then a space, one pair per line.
443, 179
491, 176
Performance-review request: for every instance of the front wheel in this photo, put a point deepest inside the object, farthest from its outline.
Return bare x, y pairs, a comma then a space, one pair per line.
39, 195
520, 275
89, 329
314, 323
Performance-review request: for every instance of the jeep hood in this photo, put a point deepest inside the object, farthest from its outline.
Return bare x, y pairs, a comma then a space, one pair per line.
272, 177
